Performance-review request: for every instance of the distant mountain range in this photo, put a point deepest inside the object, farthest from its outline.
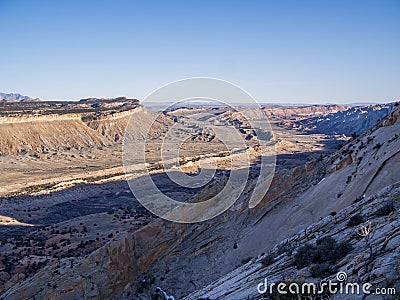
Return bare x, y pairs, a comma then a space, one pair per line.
16, 97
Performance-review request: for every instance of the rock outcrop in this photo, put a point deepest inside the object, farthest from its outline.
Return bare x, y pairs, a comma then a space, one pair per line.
354, 120
374, 258
225, 258
52, 126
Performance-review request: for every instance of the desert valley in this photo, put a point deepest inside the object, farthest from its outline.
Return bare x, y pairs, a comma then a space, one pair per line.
70, 227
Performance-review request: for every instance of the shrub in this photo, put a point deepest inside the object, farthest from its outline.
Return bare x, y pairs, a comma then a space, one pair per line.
323, 270
268, 260
343, 249
355, 220
385, 210
326, 252
285, 248
303, 256
377, 146
354, 135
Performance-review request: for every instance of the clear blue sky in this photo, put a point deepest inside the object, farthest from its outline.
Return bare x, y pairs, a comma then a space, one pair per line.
279, 51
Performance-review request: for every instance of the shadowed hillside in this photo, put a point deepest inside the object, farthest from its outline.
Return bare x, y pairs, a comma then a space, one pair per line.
242, 246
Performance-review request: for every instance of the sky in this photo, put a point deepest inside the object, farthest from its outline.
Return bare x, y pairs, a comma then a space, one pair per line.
285, 51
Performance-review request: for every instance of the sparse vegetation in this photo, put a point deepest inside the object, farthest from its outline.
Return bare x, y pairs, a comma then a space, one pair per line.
355, 220
322, 270
325, 252
340, 146
267, 260
377, 146
385, 210
285, 248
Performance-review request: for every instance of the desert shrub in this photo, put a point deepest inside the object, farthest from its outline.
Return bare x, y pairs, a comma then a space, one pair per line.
323, 270
355, 220
268, 260
327, 251
385, 210
343, 249
326, 241
354, 135
377, 146
303, 256
285, 248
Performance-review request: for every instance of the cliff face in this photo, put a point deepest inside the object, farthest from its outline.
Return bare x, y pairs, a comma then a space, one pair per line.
362, 185
373, 259
87, 278
346, 121
42, 127
304, 111
113, 126
224, 258
49, 133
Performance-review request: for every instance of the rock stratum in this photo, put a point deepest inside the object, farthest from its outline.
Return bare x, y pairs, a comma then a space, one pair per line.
228, 256
38, 127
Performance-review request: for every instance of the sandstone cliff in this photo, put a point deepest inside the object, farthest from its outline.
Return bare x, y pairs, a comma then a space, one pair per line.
221, 258
50, 126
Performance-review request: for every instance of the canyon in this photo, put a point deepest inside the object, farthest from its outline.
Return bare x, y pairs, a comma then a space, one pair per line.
72, 229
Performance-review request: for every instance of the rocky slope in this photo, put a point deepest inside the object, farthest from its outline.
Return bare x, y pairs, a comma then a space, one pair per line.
373, 258
352, 120
364, 213
303, 203
303, 111
52, 126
